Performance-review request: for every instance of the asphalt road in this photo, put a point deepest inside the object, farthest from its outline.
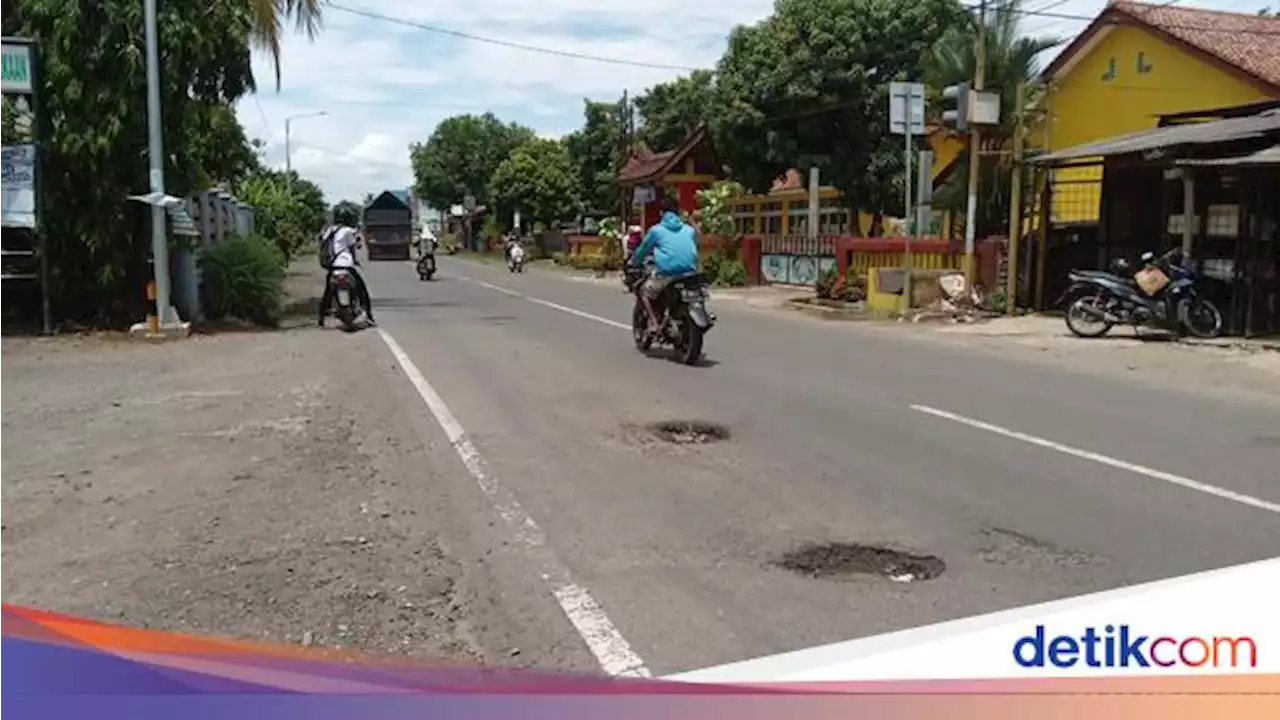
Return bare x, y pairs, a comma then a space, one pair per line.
615, 549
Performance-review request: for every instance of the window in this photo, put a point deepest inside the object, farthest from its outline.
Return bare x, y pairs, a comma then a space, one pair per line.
1143, 65
1110, 74
772, 224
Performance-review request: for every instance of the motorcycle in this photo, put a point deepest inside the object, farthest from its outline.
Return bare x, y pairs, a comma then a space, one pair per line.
427, 265
515, 259
1160, 293
347, 304
683, 318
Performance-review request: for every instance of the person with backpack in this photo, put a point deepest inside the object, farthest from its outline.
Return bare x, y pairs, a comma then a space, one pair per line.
337, 249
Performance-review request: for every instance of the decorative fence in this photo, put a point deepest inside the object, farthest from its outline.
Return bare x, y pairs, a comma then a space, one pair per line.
796, 259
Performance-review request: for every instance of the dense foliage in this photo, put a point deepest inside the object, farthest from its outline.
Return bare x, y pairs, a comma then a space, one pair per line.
670, 111
461, 156
538, 180
808, 86
93, 128
288, 209
595, 153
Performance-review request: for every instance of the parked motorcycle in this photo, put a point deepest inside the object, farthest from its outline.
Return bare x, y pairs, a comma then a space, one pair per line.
1160, 293
515, 259
347, 304
683, 318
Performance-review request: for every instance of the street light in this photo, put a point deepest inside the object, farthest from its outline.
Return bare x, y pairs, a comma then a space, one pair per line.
288, 159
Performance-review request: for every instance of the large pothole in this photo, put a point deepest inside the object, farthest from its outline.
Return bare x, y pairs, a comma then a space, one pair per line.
689, 432
832, 560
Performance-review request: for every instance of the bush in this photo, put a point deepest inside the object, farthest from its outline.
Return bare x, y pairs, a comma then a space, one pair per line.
731, 273
244, 278
558, 258
831, 286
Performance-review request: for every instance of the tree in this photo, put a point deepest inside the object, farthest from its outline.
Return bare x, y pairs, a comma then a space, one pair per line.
461, 156
355, 208
93, 131
595, 154
288, 209
808, 87
670, 111
539, 181
1010, 61
268, 18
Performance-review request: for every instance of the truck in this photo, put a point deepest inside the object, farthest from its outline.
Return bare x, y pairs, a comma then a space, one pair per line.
388, 226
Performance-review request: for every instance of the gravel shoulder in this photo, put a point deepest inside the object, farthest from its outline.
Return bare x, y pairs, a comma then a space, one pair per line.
268, 486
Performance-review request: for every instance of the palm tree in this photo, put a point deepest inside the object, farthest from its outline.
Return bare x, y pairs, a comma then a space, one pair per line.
1011, 60
269, 18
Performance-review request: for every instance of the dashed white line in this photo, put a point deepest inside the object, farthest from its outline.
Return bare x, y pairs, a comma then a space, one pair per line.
1105, 460
554, 306
600, 634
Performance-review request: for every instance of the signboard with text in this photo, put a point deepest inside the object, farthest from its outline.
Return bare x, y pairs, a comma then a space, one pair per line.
18, 186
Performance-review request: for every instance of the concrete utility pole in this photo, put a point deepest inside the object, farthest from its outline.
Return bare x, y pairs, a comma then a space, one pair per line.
288, 151
975, 143
1015, 203
155, 152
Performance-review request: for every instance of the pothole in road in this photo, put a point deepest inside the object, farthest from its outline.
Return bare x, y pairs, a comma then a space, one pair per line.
832, 560
689, 432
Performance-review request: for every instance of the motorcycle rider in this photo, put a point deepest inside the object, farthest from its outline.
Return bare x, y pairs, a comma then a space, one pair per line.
509, 244
428, 243
674, 245
344, 239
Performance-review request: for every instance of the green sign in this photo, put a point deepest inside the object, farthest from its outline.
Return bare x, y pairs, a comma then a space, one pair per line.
15, 69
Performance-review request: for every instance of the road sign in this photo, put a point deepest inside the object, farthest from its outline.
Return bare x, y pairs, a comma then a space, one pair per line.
15, 68
901, 97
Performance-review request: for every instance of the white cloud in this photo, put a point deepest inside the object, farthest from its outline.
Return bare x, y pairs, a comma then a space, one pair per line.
385, 85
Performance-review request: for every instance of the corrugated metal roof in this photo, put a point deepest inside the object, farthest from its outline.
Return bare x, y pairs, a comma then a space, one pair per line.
1206, 133
1270, 156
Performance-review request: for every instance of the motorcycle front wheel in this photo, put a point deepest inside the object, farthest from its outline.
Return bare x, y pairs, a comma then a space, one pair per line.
1201, 318
1083, 317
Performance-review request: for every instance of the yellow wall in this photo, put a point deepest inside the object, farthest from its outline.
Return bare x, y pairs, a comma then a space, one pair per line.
1084, 107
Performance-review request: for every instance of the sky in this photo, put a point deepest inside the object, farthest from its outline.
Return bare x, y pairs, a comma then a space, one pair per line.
383, 85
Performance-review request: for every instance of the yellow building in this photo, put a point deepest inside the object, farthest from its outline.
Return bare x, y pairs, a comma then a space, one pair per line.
1136, 62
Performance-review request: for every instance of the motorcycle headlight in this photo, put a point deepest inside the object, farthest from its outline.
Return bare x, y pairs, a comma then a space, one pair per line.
693, 294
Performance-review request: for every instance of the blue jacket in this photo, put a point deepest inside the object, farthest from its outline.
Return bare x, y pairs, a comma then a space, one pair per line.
674, 245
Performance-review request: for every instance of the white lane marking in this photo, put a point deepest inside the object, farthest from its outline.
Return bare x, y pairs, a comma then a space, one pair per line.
601, 636
554, 306
1105, 460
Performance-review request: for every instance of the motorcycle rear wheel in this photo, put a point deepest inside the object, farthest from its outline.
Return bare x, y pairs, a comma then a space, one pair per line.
1078, 317
689, 346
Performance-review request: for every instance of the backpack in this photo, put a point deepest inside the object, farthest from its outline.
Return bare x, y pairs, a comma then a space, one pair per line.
325, 251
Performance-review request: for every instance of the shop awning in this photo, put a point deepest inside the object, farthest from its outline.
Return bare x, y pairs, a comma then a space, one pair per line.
1157, 139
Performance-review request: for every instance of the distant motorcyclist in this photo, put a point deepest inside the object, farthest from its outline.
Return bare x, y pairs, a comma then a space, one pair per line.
428, 243
674, 246
510, 241
340, 240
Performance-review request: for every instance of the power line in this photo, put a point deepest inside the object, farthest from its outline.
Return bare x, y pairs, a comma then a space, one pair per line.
506, 43
263, 114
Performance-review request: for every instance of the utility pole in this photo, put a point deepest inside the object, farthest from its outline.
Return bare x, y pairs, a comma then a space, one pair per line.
624, 154
288, 154
975, 143
1015, 203
155, 152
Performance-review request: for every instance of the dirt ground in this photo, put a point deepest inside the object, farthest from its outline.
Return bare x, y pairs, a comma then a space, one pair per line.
237, 484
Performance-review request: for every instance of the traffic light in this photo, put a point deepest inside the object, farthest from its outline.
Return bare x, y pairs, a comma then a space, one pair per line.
957, 117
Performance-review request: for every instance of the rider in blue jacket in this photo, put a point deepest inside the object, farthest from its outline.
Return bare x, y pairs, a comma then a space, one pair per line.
674, 245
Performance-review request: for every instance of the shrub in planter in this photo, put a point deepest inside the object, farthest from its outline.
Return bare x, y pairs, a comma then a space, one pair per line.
731, 273
244, 278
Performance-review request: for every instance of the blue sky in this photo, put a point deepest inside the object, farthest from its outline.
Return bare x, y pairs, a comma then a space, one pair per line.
385, 85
